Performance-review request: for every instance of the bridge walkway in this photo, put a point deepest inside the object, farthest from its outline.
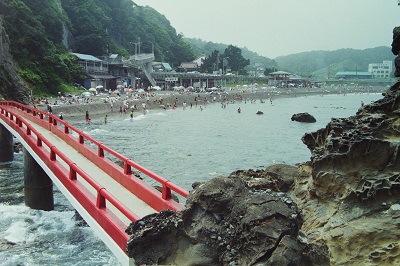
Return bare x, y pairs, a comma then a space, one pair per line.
109, 197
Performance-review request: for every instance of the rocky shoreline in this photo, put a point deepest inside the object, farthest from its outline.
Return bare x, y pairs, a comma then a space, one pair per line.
340, 208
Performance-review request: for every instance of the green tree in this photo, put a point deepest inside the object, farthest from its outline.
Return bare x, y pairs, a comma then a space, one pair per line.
211, 62
235, 60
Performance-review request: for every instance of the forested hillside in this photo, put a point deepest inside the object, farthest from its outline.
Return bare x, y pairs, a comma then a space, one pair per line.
328, 63
207, 47
318, 64
41, 34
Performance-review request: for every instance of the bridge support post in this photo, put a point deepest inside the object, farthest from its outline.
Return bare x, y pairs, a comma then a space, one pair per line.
38, 186
6, 145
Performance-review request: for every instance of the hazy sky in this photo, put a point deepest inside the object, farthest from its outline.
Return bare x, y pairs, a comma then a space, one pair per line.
281, 27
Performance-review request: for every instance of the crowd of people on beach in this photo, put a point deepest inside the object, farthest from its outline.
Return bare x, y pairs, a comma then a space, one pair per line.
131, 102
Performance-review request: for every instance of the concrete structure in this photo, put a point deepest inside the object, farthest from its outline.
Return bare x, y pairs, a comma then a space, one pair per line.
381, 70
353, 75
38, 187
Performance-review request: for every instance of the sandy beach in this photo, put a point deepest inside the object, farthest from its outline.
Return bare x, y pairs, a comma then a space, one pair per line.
100, 105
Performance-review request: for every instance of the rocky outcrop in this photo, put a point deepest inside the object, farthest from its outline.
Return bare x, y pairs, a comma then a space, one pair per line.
349, 191
396, 50
235, 220
304, 118
11, 86
358, 156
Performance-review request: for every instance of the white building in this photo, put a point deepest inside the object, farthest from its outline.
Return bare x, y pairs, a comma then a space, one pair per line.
381, 70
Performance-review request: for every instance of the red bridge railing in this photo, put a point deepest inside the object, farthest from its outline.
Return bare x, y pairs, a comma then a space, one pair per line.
68, 172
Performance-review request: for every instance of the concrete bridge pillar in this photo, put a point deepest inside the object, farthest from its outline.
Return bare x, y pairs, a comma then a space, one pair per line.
6, 145
38, 186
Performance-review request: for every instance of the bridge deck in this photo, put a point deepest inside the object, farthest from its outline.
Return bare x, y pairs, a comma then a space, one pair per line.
131, 201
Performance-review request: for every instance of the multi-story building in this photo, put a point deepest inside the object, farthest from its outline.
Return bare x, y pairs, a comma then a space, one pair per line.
381, 70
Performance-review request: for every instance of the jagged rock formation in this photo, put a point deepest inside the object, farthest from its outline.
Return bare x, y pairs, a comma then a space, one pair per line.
396, 50
11, 86
349, 190
235, 220
304, 118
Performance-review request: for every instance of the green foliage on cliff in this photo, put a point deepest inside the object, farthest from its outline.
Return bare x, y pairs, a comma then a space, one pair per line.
39, 31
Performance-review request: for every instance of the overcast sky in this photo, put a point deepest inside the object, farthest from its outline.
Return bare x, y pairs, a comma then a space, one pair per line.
282, 27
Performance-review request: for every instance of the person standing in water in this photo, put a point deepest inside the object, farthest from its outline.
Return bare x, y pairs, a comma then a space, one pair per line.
239, 111
131, 115
87, 118
105, 119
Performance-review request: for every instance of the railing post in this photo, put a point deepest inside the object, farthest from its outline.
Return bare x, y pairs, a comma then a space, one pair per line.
81, 139
127, 168
72, 172
39, 141
100, 151
52, 154
101, 200
166, 191
66, 129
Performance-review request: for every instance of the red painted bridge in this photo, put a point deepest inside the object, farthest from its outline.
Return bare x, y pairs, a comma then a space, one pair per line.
105, 194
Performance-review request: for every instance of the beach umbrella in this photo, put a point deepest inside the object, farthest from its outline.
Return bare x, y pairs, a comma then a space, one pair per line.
99, 87
92, 89
120, 86
86, 94
115, 92
129, 90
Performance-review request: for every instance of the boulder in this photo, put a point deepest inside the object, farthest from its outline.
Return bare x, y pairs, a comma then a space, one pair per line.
304, 118
259, 113
227, 221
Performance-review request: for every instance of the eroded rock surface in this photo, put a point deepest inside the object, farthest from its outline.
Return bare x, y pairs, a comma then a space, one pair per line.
348, 191
234, 220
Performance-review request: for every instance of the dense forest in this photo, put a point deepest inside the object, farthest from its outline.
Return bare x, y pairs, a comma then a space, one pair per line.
42, 33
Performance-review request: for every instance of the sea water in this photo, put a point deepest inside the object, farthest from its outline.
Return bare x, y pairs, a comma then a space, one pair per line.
183, 145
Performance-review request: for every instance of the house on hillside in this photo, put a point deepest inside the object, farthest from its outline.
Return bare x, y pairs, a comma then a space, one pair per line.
188, 67
96, 72
123, 72
161, 67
